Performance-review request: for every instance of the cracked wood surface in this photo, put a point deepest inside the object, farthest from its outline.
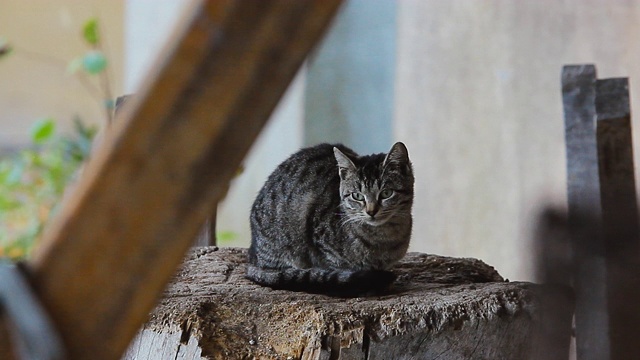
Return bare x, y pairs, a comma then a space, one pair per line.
439, 308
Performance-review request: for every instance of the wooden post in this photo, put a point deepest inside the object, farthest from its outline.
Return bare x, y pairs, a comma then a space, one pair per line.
142, 198
583, 189
603, 213
207, 234
619, 215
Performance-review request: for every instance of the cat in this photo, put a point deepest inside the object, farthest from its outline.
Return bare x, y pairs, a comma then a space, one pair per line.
330, 221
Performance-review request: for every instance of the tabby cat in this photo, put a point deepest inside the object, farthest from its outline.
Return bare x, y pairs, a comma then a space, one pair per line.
330, 221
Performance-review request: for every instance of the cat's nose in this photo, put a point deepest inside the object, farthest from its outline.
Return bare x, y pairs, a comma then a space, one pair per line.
372, 211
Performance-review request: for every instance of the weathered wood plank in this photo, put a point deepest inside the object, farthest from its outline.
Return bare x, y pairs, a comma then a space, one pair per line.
619, 215
444, 308
583, 189
207, 234
159, 171
616, 167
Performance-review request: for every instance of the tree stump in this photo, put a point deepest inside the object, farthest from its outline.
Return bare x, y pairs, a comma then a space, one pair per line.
440, 307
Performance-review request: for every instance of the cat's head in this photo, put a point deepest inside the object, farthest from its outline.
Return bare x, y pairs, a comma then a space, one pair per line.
376, 188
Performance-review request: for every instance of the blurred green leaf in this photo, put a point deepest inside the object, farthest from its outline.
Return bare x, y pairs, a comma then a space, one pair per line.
74, 65
42, 130
94, 62
33, 181
90, 31
226, 236
7, 203
83, 130
5, 169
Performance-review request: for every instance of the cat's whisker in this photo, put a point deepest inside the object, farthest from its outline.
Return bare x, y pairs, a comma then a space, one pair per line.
345, 222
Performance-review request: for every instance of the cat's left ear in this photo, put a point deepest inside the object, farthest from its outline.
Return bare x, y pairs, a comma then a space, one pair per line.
397, 155
344, 163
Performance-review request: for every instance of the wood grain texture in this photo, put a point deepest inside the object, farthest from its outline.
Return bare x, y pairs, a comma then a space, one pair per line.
440, 307
207, 234
165, 163
603, 213
619, 214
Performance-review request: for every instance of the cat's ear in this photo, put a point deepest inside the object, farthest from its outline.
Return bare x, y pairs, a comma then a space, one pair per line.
344, 163
397, 155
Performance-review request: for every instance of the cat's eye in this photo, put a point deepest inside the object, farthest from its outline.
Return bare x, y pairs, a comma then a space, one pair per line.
386, 193
357, 196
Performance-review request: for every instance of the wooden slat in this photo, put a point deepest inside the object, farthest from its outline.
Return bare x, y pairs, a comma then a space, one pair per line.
619, 215
207, 234
142, 198
583, 188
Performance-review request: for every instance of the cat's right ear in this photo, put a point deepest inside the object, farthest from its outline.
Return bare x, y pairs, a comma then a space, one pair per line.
344, 163
398, 154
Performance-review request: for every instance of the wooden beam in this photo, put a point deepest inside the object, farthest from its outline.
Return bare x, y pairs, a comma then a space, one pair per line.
616, 168
207, 234
141, 200
619, 215
583, 190
603, 212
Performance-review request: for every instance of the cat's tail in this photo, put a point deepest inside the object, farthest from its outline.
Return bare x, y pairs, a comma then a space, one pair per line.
338, 282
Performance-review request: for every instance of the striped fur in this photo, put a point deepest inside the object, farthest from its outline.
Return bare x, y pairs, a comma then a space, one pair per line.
337, 282
330, 221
